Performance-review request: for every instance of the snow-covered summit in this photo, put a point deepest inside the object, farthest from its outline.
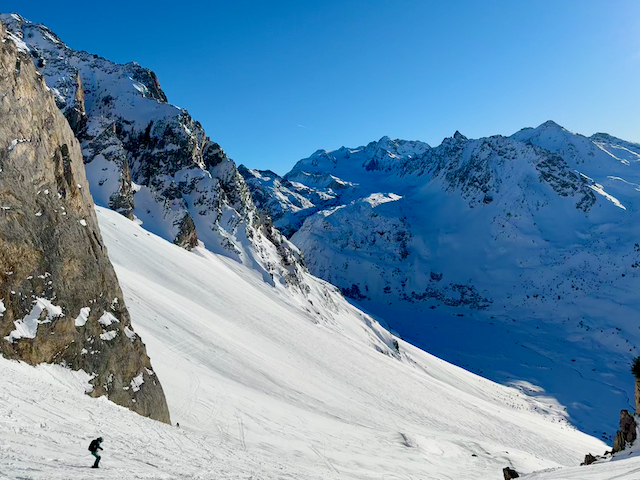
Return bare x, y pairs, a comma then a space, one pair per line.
62, 65
608, 164
598, 151
385, 154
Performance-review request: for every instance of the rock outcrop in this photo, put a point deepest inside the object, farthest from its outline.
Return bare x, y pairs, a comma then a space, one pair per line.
627, 433
187, 236
60, 301
75, 112
509, 473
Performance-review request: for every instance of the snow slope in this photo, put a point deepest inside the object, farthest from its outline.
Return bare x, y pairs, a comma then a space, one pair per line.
620, 470
516, 257
268, 385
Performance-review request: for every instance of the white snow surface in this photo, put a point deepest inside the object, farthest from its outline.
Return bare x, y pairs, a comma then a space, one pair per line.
107, 319
15, 142
269, 385
620, 470
110, 335
137, 382
20, 45
83, 317
625, 465
27, 327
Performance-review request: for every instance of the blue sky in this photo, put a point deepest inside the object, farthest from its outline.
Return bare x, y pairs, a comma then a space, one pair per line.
273, 81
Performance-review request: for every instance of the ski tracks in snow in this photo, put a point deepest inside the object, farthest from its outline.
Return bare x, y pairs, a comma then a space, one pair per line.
241, 432
324, 459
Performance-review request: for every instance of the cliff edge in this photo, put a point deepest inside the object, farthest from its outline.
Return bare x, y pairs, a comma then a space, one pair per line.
60, 301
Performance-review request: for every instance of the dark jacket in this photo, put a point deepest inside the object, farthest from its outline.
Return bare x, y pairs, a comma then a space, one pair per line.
95, 445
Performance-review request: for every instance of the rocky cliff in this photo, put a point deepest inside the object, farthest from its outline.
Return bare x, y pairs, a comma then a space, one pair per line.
60, 301
151, 161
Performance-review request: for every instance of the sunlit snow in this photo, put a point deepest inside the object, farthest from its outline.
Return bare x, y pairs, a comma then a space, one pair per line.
27, 327
83, 317
266, 385
107, 319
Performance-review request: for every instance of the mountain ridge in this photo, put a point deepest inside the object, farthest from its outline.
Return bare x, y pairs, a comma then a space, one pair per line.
152, 162
529, 233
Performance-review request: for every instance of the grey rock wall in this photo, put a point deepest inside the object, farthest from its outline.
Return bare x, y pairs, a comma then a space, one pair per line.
60, 298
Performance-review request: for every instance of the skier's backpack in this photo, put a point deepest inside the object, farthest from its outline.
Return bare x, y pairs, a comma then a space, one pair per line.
93, 446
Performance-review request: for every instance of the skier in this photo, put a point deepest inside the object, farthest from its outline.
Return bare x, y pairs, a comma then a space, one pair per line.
93, 448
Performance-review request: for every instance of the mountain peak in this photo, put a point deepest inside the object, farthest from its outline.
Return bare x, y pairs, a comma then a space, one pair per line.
385, 143
602, 136
42, 158
459, 136
6, 17
551, 124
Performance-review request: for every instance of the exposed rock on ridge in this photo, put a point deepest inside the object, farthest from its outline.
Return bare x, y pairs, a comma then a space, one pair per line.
148, 159
60, 301
627, 433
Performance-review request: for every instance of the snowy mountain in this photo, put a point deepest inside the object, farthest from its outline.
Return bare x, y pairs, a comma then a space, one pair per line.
60, 301
297, 382
149, 160
517, 257
263, 388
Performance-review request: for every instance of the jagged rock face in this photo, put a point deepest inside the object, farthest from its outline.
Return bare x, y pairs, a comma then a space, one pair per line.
509, 473
60, 301
289, 208
75, 112
627, 433
187, 236
150, 160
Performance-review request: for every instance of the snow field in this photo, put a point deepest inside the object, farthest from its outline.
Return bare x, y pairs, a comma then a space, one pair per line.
244, 363
267, 384
47, 423
625, 469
